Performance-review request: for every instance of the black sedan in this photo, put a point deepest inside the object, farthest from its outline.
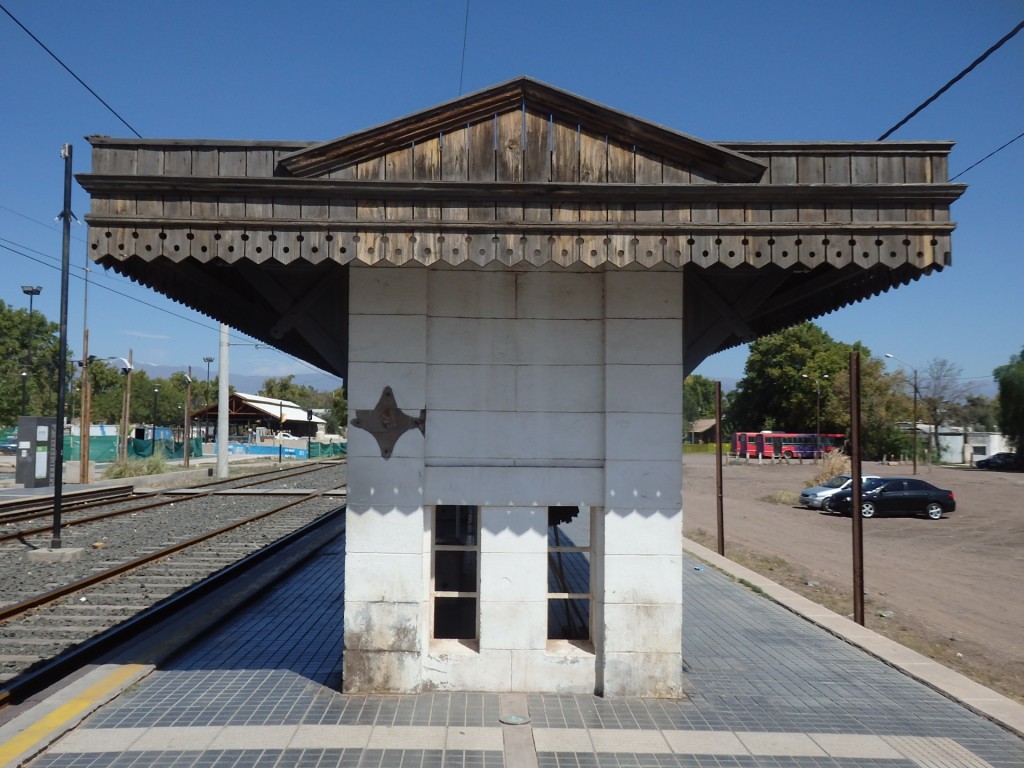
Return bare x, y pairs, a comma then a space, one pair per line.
881, 495
1001, 461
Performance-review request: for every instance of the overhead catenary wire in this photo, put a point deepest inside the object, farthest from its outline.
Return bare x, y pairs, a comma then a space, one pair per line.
44, 262
999, 44
986, 157
465, 37
70, 71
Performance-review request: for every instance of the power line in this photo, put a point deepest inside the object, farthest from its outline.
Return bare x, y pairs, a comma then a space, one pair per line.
307, 365
465, 36
986, 157
952, 82
69, 71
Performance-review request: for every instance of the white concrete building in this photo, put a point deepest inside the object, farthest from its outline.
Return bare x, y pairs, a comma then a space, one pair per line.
541, 390
514, 285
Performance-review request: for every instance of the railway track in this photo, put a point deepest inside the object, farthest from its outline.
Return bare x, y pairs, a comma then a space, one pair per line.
107, 596
79, 501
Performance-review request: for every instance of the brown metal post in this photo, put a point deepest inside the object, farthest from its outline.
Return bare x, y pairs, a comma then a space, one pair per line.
85, 419
718, 467
855, 470
188, 413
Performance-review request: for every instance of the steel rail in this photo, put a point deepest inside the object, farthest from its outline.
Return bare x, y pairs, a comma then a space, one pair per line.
142, 508
35, 680
17, 609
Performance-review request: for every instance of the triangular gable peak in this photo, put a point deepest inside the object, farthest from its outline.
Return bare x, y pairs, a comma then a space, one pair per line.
522, 131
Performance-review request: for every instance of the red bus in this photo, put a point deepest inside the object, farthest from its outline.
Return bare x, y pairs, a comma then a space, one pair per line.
788, 445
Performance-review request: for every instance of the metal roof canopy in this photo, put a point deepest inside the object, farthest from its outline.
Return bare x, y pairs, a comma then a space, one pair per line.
519, 176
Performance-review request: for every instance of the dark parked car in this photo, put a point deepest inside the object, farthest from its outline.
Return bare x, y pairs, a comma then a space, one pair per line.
1001, 461
883, 495
9, 447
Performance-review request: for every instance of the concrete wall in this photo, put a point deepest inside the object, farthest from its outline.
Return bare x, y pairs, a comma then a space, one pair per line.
541, 388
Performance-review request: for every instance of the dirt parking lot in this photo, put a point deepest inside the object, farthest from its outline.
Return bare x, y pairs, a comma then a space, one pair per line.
950, 588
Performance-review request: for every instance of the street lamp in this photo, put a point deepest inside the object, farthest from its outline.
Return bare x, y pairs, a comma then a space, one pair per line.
817, 428
31, 291
206, 417
156, 390
914, 435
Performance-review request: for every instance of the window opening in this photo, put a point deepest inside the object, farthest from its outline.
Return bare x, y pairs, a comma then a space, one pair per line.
456, 569
569, 566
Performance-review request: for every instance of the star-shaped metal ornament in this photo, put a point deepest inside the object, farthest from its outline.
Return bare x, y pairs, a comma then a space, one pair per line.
387, 422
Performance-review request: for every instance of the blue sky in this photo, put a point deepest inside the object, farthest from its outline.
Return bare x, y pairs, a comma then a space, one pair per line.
729, 71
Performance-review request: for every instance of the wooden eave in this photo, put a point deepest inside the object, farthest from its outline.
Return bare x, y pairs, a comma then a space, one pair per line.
526, 94
522, 176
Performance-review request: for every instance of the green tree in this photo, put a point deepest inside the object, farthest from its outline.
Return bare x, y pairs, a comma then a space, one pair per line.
884, 404
1010, 378
32, 348
782, 379
698, 400
285, 388
337, 414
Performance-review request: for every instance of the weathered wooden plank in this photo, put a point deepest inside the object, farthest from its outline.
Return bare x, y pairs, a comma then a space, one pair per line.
890, 169
864, 169
537, 151
259, 163
204, 163
648, 170
621, 169
810, 169
150, 161
565, 166
782, 169
454, 168
785, 250
398, 166
939, 168
673, 173
426, 166
837, 169
509, 160
371, 170
177, 162
704, 212
565, 152
343, 208
916, 169
481, 165
812, 251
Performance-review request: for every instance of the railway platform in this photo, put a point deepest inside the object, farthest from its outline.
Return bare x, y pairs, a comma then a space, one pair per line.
772, 680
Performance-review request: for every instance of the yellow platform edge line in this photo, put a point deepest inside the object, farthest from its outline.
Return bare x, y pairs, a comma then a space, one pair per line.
65, 713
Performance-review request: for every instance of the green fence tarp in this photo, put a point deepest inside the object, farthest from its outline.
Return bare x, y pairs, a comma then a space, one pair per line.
327, 450
103, 448
143, 449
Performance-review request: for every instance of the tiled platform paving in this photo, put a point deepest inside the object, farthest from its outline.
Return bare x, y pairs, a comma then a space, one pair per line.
766, 688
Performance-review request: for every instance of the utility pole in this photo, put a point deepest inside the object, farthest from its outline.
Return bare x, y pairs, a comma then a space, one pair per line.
62, 350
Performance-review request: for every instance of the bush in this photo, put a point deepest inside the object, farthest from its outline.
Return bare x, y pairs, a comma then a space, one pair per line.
151, 465
834, 463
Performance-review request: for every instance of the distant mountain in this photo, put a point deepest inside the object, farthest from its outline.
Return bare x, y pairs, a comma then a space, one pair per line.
246, 382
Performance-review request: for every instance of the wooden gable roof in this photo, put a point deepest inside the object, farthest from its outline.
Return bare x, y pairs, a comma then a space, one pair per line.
259, 234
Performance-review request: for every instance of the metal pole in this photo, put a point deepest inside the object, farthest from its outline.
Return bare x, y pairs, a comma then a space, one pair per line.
188, 414
31, 291
122, 451
62, 355
206, 405
858, 528
914, 438
156, 391
718, 468
223, 403
86, 420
